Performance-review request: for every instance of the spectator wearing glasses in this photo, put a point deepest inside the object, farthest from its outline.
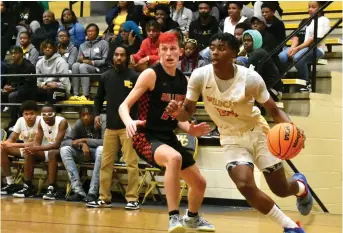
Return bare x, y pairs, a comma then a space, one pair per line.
181, 15
74, 28
190, 60
30, 51
84, 142
53, 129
234, 17
66, 48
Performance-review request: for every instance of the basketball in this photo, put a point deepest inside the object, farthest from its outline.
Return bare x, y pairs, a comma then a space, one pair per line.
285, 141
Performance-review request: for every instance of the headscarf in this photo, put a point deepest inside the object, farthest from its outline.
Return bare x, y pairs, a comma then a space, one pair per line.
132, 26
256, 37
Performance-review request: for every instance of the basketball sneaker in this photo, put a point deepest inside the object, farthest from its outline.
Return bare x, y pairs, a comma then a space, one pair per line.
197, 223
99, 204
132, 205
294, 230
26, 191
175, 224
304, 203
90, 197
51, 194
9, 189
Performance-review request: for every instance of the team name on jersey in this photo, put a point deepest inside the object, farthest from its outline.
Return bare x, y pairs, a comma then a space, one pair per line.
226, 104
166, 97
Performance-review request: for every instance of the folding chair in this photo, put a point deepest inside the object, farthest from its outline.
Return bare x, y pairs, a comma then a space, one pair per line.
3, 135
187, 141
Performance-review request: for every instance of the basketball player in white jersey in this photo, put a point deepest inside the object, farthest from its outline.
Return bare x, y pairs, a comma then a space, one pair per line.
25, 129
229, 92
53, 128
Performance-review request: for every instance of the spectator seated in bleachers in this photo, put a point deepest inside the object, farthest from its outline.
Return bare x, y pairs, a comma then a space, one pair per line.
190, 60
25, 129
8, 27
181, 15
274, 26
238, 33
162, 16
130, 36
91, 59
148, 14
148, 52
19, 89
252, 40
204, 27
75, 29
47, 30
234, 17
66, 48
29, 17
258, 8
214, 11
119, 14
53, 129
83, 143
30, 51
52, 89
300, 45
260, 24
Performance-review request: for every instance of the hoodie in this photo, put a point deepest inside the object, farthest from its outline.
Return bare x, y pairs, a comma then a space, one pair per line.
54, 65
96, 50
31, 54
256, 37
70, 56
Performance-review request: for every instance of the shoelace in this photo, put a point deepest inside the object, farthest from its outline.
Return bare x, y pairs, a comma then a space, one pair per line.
202, 221
23, 190
175, 219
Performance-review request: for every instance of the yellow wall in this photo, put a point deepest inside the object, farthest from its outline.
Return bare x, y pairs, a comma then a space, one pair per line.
57, 8
320, 161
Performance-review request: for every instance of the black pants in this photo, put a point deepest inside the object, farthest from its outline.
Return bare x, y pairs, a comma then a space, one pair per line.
52, 95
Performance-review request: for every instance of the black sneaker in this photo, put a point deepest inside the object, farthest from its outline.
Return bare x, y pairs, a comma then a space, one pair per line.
26, 191
99, 204
307, 88
76, 197
51, 194
90, 197
9, 189
132, 205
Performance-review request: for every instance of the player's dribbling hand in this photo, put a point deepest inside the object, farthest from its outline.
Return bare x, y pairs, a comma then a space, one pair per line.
174, 108
199, 130
131, 128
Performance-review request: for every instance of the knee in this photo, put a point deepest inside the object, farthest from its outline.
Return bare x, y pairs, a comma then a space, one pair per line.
28, 156
175, 160
12, 97
246, 188
75, 68
83, 68
53, 154
279, 191
65, 152
98, 152
201, 184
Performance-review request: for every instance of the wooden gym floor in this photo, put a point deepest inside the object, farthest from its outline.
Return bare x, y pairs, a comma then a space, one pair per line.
38, 216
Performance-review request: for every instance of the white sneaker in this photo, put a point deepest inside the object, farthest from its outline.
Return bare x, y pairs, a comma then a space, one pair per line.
175, 224
197, 223
99, 204
132, 205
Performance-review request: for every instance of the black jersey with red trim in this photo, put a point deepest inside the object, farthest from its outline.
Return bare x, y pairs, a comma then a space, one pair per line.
152, 105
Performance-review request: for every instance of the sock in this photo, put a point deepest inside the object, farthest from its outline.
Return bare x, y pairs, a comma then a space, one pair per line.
190, 214
9, 180
28, 182
302, 189
173, 212
276, 215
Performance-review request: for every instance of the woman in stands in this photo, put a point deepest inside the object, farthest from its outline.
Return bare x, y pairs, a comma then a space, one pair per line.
66, 48
234, 11
75, 29
297, 48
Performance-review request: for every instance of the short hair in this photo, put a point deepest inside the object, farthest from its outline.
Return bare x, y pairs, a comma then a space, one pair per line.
65, 31
27, 33
179, 36
243, 25
163, 7
239, 4
168, 37
125, 47
270, 5
86, 108
49, 105
153, 23
17, 49
46, 43
231, 40
74, 18
93, 25
210, 4
29, 105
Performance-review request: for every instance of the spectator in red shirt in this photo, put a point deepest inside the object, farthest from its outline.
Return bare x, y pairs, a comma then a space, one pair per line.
148, 53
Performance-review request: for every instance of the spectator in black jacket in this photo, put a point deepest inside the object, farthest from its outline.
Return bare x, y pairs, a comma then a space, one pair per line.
19, 89
48, 30
204, 27
8, 27
259, 24
274, 26
162, 16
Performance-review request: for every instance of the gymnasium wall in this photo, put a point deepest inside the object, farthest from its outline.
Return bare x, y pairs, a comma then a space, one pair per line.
320, 160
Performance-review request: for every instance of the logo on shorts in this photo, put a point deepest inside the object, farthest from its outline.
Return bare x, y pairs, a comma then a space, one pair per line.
287, 133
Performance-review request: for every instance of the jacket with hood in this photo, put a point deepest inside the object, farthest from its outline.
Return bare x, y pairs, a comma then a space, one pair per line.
46, 31
202, 33
70, 55
26, 67
31, 54
54, 65
96, 50
77, 33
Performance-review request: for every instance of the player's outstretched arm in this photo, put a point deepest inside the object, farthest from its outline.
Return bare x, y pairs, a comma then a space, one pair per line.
196, 130
145, 82
277, 114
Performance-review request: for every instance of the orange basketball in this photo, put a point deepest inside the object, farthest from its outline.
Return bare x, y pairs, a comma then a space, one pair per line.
285, 141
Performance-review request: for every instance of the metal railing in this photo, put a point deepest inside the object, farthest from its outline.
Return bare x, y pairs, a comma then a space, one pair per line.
71, 3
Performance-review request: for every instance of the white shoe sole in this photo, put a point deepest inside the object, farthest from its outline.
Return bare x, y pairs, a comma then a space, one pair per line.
49, 198
177, 229
21, 195
98, 206
131, 208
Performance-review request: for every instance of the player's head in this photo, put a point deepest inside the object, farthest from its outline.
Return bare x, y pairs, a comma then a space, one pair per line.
86, 115
153, 30
224, 48
252, 40
120, 58
29, 110
169, 49
48, 114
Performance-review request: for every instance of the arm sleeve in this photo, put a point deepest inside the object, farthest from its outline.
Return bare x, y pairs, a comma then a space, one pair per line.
195, 85
71, 134
100, 96
17, 126
323, 27
34, 56
80, 35
99, 142
189, 19
260, 92
142, 51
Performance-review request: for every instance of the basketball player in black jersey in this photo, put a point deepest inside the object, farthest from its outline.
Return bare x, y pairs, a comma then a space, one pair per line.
154, 139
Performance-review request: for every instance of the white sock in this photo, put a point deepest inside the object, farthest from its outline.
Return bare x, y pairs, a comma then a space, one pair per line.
302, 188
280, 218
9, 180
